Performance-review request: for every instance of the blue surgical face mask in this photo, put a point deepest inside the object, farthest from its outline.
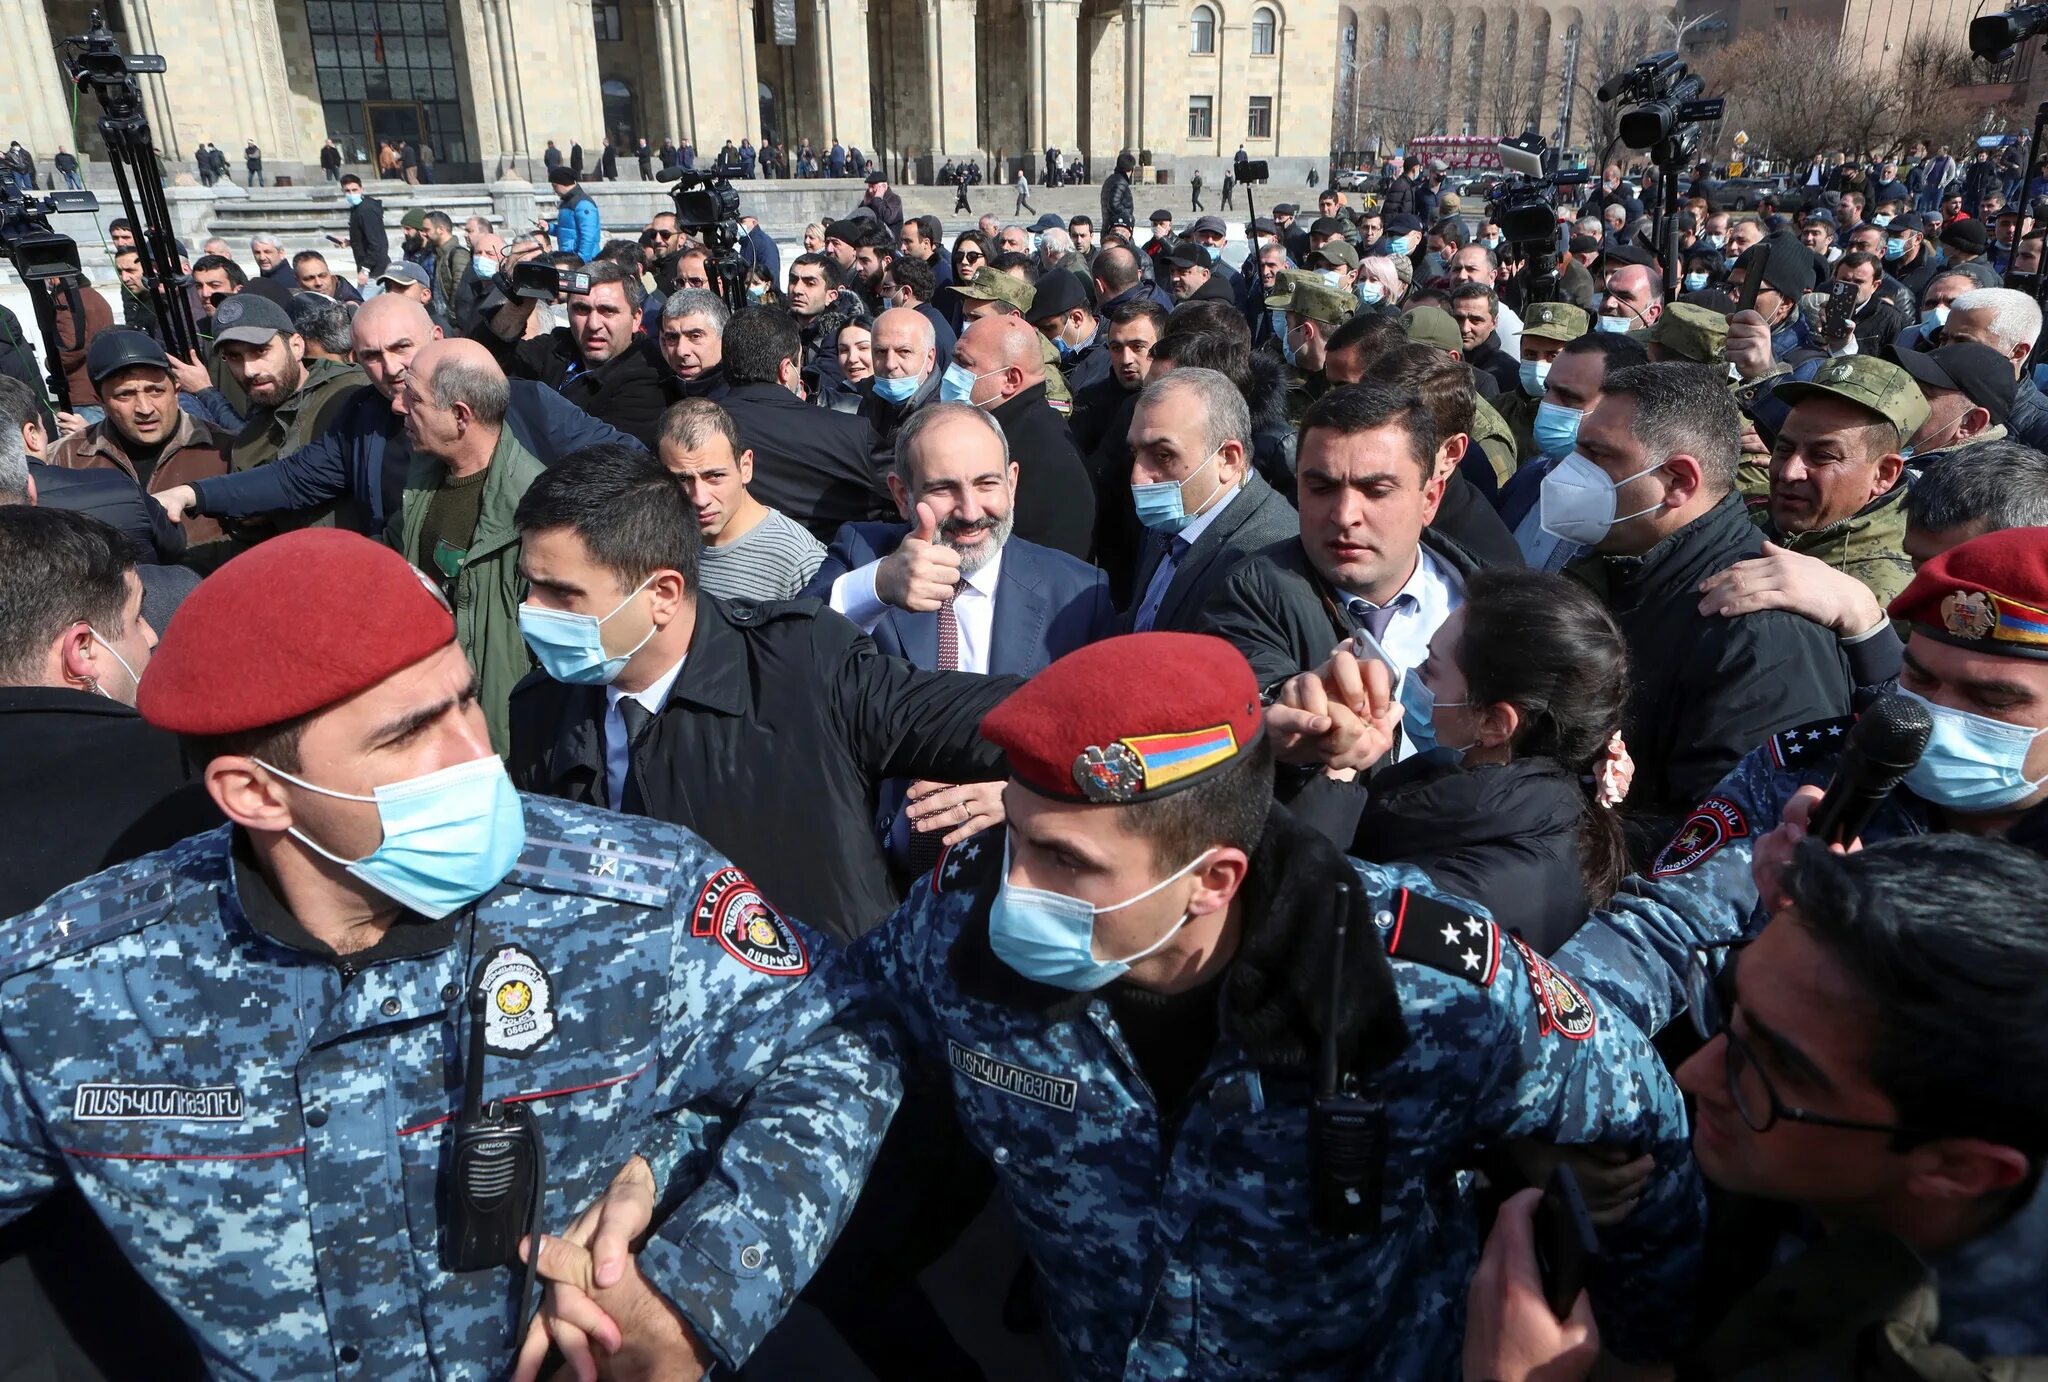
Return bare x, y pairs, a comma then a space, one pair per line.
1973, 762
1694, 282
1215, 252
1895, 247
1367, 291
353, 198
1331, 277
1613, 326
1556, 428
1287, 347
1535, 374
1709, 242
1050, 937
896, 390
1418, 715
1934, 318
1160, 505
957, 384
1492, 242
570, 647
449, 836
1882, 218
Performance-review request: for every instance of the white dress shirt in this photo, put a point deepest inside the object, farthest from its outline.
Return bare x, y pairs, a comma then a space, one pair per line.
974, 607
616, 759
1433, 591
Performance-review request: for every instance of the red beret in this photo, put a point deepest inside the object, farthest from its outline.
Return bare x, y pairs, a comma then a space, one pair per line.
1130, 718
1989, 594
287, 628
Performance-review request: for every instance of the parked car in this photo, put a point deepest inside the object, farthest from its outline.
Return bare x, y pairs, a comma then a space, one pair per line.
1741, 194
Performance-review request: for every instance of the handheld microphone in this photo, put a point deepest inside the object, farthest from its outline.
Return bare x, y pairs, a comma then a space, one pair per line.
1882, 748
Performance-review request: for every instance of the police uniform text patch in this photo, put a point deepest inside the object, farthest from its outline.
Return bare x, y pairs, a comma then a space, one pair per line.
106, 1103
519, 1002
1561, 1005
731, 910
1429, 931
1713, 823
1054, 1091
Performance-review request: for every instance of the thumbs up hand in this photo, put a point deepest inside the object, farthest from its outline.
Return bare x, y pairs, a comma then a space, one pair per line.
920, 575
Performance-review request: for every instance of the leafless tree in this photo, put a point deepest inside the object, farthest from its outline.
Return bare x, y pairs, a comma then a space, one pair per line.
1619, 43
1402, 95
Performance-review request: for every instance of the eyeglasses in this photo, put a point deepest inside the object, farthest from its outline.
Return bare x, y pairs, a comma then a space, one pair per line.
1710, 995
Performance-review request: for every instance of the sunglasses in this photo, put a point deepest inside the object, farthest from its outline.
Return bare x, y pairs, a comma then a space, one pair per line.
1710, 997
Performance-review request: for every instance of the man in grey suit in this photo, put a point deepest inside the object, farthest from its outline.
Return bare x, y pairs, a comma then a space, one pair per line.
1196, 491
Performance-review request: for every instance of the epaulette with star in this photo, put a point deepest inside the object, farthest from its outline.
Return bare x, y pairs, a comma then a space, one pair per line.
1430, 931
1803, 746
960, 867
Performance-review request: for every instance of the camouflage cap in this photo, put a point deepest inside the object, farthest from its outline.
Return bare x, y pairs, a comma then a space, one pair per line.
1435, 327
1877, 385
1333, 253
993, 285
1304, 293
1555, 321
1697, 333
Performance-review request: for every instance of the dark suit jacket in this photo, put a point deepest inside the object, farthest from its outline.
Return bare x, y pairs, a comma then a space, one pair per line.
814, 464
1047, 603
630, 391
1055, 499
1254, 519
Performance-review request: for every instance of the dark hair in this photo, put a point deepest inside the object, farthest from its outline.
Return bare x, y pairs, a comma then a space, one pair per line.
756, 342
1372, 334
439, 220
1621, 352
623, 252
1451, 228
2001, 484
835, 277
234, 271
1228, 809
1147, 307
608, 271
57, 567
621, 501
1369, 404
1548, 647
930, 227
1942, 933
976, 238
305, 257
913, 273
1117, 266
1862, 259
1426, 297
1073, 221
1212, 350
1208, 316
120, 223
1011, 259
347, 178
1475, 291
1684, 408
1444, 384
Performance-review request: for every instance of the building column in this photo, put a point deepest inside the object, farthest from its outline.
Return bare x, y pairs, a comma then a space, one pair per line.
505, 61
750, 75
950, 50
1134, 74
840, 50
1034, 81
29, 70
1058, 85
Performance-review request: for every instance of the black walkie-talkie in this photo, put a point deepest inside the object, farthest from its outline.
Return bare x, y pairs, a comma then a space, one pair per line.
495, 1177
1347, 1145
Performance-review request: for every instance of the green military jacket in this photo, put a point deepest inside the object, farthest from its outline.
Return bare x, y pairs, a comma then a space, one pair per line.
1491, 433
487, 589
273, 432
1869, 544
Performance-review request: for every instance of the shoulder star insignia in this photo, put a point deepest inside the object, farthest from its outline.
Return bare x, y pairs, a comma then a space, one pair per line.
1471, 959
953, 868
1450, 935
971, 851
63, 926
1475, 926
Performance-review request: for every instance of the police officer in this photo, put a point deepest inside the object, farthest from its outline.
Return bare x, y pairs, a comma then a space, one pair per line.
1127, 994
1975, 619
246, 1050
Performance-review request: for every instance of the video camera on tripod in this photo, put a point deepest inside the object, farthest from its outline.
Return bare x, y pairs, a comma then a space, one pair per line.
1524, 206
707, 210
1662, 118
46, 261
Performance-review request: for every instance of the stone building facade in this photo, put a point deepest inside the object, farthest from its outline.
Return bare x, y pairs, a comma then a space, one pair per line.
485, 82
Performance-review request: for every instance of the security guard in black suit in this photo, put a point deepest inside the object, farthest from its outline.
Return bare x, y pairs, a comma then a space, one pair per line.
766, 728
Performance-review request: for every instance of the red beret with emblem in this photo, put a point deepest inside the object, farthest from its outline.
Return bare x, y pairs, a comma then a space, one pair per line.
292, 626
1989, 594
1130, 718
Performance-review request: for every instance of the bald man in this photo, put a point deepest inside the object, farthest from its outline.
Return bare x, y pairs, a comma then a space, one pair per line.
907, 373
998, 365
454, 520
366, 453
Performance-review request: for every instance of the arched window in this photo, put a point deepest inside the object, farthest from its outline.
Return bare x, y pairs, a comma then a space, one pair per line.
1262, 33
1202, 30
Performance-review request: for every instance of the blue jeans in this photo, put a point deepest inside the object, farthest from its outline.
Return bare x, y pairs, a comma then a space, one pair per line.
74, 181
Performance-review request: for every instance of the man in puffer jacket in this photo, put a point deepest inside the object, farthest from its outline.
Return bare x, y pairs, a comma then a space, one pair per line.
576, 227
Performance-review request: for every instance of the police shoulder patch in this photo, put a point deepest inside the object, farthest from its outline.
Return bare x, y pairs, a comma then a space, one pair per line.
1803, 745
1712, 824
960, 866
731, 911
1430, 931
1562, 1007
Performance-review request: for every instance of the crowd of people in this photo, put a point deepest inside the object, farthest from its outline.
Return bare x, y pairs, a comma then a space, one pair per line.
1240, 744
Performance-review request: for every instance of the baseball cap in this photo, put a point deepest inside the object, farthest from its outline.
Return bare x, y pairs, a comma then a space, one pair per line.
1188, 255
1912, 221
1872, 384
1555, 321
403, 274
1977, 371
1434, 327
1056, 294
1334, 253
250, 319
1265, 225
119, 348
1402, 224
1584, 244
1687, 329
1307, 295
1048, 221
993, 285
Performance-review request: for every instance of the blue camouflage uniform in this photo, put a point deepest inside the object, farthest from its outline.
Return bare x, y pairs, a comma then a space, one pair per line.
1171, 1249
264, 1130
1634, 952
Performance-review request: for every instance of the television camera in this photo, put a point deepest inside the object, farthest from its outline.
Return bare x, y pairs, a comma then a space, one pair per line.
1524, 206
1663, 111
707, 210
